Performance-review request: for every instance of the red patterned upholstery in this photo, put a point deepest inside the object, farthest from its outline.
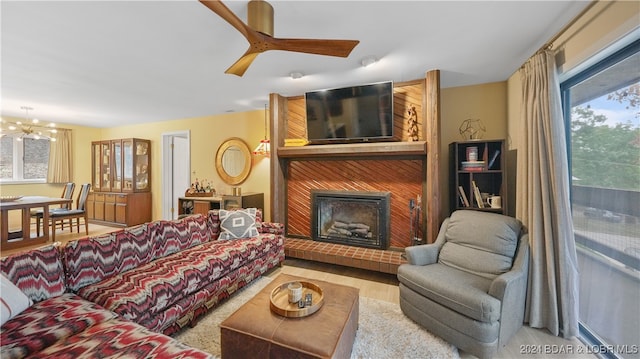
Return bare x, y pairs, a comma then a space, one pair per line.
90, 260
47, 322
120, 339
273, 228
145, 293
174, 236
161, 275
38, 273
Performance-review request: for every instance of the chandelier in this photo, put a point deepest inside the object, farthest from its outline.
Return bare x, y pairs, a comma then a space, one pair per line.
30, 128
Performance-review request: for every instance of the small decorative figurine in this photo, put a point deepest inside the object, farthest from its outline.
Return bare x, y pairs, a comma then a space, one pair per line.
412, 121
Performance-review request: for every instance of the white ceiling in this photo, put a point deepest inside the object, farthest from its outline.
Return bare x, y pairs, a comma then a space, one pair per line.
112, 63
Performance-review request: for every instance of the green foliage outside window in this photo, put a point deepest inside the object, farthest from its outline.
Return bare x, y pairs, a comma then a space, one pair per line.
603, 155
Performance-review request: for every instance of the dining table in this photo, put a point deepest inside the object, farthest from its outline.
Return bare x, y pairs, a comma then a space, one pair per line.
22, 236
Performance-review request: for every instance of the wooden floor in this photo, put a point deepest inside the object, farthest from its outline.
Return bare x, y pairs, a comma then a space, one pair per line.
384, 286
64, 236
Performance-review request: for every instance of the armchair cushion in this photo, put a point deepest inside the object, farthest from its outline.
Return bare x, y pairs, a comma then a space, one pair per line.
458, 290
480, 243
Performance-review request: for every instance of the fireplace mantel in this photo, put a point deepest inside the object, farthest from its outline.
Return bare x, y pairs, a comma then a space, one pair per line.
417, 148
406, 169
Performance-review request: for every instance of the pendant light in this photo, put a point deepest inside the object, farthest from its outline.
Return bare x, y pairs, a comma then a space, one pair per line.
264, 148
30, 128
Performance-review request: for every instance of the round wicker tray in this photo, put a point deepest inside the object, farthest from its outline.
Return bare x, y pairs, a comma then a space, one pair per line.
280, 300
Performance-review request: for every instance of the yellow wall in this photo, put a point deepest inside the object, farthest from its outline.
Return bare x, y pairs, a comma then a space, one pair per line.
207, 133
602, 25
486, 102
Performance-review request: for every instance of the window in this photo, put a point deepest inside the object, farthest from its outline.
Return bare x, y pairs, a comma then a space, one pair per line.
23, 159
602, 110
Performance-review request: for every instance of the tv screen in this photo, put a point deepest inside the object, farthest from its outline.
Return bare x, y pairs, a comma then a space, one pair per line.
350, 114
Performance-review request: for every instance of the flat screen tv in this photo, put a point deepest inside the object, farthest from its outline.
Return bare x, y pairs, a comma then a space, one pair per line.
350, 114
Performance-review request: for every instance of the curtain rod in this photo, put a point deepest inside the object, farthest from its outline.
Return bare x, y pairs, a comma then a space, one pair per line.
549, 44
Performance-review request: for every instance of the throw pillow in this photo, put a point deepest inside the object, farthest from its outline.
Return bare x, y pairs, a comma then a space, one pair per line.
239, 223
12, 300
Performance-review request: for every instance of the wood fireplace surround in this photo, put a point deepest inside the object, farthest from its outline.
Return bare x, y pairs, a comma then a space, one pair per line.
404, 169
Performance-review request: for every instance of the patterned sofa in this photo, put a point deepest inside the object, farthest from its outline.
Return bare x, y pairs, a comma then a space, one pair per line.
114, 294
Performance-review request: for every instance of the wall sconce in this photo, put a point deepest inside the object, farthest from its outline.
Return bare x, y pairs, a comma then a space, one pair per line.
264, 148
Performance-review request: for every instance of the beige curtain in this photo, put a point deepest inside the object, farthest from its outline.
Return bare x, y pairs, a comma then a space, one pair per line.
543, 202
60, 158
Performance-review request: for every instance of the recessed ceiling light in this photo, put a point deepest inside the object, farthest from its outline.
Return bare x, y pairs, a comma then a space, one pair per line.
296, 75
369, 60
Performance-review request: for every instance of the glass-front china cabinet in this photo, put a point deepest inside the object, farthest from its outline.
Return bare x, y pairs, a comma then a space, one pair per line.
121, 182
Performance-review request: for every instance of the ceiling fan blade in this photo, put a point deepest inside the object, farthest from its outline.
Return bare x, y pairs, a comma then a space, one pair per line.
223, 11
260, 42
240, 66
339, 48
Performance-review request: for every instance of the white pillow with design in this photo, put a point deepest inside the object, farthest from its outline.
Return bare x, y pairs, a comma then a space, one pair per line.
239, 223
12, 300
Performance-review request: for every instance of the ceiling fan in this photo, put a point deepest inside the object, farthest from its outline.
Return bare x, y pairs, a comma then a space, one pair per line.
259, 33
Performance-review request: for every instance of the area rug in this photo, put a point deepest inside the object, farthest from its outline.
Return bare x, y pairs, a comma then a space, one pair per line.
383, 332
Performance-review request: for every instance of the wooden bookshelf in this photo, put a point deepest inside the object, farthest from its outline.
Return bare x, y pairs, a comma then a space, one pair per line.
488, 174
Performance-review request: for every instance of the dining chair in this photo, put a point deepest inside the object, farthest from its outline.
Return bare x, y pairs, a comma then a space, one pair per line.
67, 193
79, 213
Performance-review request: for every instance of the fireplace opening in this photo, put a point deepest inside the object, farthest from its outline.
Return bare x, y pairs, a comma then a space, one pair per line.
351, 217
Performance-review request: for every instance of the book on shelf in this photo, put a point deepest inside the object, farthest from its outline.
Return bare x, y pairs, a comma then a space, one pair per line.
476, 194
472, 165
493, 159
463, 196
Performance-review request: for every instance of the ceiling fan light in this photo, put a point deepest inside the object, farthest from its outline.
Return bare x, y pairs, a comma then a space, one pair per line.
296, 75
368, 61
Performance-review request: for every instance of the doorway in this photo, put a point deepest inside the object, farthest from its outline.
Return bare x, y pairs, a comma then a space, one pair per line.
176, 169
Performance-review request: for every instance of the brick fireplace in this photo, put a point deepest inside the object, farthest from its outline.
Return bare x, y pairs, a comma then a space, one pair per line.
402, 167
401, 178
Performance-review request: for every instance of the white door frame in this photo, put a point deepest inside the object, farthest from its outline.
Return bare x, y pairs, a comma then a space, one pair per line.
167, 170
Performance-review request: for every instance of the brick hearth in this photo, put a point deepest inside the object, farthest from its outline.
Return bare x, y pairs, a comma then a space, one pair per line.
386, 261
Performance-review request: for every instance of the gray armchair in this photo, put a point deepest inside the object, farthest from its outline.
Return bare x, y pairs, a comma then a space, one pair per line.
469, 286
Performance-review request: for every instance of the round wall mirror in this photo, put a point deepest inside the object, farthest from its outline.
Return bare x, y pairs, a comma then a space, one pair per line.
233, 161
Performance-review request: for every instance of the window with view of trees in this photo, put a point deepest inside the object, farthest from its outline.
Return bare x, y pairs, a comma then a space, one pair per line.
602, 110
24, 159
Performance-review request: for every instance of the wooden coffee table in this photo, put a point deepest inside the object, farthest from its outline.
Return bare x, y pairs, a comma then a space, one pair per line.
254, 331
